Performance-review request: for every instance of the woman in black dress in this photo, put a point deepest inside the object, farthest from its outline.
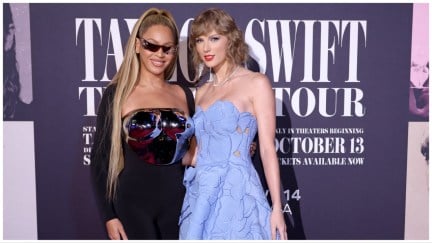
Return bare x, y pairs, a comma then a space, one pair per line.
143, 130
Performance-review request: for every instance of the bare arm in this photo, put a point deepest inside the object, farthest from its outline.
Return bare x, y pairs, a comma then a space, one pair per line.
264, 109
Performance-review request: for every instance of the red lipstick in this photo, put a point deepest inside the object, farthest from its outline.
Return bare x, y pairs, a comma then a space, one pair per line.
208, 57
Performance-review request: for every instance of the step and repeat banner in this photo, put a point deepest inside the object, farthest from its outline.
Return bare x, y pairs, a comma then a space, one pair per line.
351, 88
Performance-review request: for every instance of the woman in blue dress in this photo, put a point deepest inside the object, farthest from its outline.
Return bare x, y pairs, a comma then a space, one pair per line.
224, 197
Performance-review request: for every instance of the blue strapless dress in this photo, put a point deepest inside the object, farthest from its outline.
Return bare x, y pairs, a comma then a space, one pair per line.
224, 197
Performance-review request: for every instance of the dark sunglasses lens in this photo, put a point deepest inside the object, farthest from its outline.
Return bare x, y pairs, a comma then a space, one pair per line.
154, 48
166, 49
149, 46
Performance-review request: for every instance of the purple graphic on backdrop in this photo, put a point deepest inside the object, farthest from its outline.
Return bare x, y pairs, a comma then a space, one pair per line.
419, 79
339, 72
17, 78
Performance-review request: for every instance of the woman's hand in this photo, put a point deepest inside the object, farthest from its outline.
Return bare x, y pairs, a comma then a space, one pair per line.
252, 149
277, 222
189, 159
115, 229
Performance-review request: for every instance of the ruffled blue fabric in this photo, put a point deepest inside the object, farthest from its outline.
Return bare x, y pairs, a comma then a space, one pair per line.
224, 196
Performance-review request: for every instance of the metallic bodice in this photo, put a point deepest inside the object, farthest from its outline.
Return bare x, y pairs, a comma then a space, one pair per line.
159, 136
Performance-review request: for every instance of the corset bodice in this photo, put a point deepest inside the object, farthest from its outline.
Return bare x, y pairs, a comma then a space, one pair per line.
159, 136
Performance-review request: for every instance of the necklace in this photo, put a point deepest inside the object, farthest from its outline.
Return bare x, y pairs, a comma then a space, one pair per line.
227, 79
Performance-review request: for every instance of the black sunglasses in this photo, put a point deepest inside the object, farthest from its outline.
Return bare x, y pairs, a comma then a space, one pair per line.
154, 48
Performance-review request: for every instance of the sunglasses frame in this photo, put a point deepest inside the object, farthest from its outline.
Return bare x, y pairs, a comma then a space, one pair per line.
147, 45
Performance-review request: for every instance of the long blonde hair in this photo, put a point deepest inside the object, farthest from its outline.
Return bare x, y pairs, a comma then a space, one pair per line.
126, 79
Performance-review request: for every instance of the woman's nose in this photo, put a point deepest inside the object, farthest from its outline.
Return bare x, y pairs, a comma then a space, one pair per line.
206, 46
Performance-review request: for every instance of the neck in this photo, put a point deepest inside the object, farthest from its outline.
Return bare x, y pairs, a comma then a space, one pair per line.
229, 74
150, 80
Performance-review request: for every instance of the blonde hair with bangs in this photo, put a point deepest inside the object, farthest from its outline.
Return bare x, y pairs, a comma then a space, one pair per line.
221, 22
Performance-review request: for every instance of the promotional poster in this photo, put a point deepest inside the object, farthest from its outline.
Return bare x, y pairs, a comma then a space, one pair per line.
350, 83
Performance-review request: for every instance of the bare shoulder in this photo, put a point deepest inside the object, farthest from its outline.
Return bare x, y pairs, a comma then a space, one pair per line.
175, 90
256, 80
176, 87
